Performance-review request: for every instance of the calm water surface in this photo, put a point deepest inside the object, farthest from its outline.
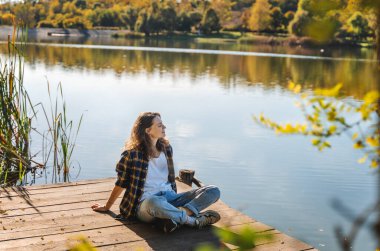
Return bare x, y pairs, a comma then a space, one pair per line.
207, 102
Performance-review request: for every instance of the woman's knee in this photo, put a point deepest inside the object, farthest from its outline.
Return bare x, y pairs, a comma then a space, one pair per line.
154, 201
213, 191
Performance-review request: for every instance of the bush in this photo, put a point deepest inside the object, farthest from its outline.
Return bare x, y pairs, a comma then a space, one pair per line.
7, 19
210, 22
358, 27
299, 23
45, 24
183, 22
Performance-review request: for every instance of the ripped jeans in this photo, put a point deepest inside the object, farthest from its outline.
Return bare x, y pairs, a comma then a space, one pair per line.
164, 204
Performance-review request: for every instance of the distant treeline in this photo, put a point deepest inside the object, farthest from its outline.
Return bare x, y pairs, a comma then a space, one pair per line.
347, 19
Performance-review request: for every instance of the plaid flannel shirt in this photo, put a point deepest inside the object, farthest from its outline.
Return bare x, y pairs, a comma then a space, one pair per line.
131, 174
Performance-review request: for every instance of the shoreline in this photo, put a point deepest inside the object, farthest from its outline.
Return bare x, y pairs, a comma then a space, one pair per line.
223, 37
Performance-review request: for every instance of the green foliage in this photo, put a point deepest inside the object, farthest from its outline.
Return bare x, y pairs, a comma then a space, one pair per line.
195, 17
15, 121
142, 23
130, 17
184, 22
245, 239
109, 18
210, 22
24, 15
317, 19
277, 19
288, 17
326, 116
357, 27
325, 20
288, 5
81, 4
319, 8
322, 28
168, 18
299, 24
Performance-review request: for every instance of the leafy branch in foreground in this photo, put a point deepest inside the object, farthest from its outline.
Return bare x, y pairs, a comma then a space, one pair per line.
326, 115
245, 238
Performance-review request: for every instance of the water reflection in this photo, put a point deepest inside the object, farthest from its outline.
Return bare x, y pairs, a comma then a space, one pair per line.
207, 101
358, 76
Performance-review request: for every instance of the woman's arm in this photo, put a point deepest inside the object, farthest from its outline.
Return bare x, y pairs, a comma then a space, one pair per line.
114, 195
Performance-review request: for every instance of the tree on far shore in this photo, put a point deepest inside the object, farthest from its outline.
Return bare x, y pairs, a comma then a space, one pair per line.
210, 22
260, 19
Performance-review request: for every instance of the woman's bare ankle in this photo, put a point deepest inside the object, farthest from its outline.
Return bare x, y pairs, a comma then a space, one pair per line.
188, 211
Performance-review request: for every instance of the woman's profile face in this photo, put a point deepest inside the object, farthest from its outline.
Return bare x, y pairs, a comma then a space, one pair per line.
157, 129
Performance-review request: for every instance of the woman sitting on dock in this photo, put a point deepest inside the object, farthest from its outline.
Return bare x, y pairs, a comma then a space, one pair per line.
146, 171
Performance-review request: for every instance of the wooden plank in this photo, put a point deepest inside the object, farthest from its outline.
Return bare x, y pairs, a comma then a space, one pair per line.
38, 198
16, 190
44, 202
74, 189
83, 218
143, 239
45, 217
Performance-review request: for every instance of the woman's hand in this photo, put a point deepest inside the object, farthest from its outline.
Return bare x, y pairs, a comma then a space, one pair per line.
116, 191
99, 208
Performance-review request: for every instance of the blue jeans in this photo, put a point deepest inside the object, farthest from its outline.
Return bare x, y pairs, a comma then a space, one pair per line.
164, 204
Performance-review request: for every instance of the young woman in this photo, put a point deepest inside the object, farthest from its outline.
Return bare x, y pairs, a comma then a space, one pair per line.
146, 172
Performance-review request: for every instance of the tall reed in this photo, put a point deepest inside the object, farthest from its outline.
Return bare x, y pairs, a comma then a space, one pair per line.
61, 134
17, 114
15, 120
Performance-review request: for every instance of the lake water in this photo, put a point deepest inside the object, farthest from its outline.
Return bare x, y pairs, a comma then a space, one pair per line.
207, 100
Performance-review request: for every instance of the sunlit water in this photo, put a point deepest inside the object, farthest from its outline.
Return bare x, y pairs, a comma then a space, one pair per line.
207, 102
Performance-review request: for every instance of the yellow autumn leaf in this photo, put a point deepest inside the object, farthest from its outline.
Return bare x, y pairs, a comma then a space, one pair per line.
332, 129
326, 144
371, 97
291, 85
372, 141
358, 144
363, 159
288, 128
332, 92
355, 136
301, 128
374, 164
315, 141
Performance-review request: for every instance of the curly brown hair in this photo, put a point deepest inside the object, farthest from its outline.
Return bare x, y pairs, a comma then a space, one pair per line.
140, 140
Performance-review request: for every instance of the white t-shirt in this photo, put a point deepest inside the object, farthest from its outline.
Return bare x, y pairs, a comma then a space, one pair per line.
157, 177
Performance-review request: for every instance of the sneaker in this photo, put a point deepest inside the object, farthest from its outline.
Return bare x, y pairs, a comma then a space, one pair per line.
207, 218
167, 225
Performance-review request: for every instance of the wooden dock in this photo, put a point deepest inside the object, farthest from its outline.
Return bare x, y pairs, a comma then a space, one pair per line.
48, 217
